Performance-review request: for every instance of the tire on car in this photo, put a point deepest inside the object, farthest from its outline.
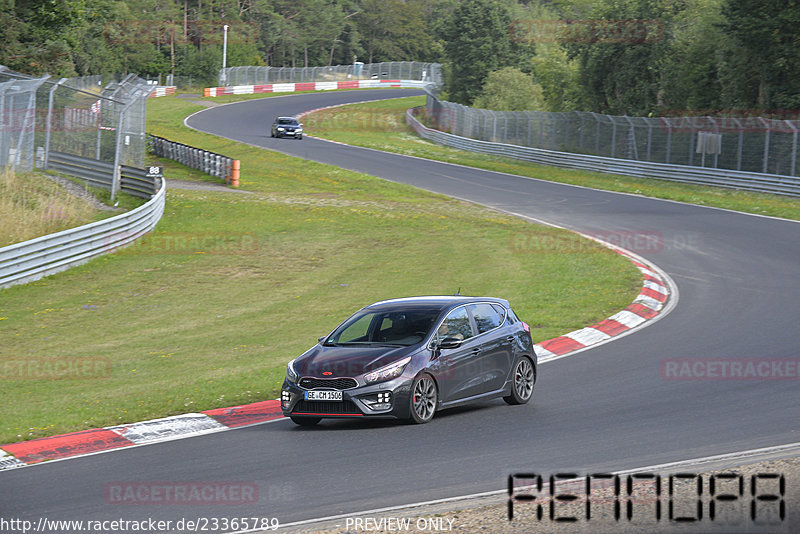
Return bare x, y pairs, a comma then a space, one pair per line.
424, 399
523, 380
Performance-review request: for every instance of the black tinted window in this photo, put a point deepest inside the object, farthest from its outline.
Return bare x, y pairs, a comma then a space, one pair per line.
456, 325
397, 328
486, 317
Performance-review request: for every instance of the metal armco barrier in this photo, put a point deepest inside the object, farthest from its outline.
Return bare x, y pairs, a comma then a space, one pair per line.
97, 173
196, 158
764, 183
376, 72
135, 182
24, 262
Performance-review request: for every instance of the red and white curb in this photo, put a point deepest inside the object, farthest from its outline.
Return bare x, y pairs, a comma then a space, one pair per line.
651, 301
115, 437
309, 86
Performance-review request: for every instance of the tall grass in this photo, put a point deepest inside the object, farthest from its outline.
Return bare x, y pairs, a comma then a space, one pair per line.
32, 206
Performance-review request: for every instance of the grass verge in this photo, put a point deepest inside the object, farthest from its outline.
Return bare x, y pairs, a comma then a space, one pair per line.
34, 206
206, 311
381, 125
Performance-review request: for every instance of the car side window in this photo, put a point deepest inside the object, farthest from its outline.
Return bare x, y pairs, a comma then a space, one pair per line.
501, 311
486, 317
456, 325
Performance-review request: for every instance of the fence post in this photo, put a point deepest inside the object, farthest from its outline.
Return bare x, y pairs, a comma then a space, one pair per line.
716, 152
793, 163
766, 144
48, 127
669, 138
613, 137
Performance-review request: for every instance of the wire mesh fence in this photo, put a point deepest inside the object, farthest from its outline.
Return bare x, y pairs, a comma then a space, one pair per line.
77, 116
750, 143
391, 70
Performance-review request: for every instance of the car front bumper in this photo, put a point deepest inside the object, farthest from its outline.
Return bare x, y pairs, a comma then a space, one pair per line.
361, 401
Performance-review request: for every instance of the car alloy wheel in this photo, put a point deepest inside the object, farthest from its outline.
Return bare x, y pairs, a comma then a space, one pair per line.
524, 380
424, 398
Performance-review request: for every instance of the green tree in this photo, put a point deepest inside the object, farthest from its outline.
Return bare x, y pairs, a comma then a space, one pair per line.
691, 69
620, 71
395, 30
766, 37
477, 42
510, 89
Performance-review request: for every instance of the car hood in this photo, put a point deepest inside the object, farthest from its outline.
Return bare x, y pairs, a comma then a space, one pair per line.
348, 360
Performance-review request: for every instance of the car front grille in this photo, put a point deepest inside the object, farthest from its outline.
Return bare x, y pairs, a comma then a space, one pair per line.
327, 383
326, 407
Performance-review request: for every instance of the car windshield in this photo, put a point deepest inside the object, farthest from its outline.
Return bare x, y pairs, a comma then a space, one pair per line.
287, 121
401, 328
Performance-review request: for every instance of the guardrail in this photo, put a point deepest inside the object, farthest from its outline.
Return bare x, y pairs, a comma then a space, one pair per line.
388, 70
98, 173
209, 162
46, 255
764, 183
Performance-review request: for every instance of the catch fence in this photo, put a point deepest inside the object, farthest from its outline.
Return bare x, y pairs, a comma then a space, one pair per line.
748, 143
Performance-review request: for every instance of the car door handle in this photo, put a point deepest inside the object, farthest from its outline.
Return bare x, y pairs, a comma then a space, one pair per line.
476, 351
510, 338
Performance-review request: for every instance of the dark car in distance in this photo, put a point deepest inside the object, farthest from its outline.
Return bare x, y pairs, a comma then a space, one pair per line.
409, 358
287, 126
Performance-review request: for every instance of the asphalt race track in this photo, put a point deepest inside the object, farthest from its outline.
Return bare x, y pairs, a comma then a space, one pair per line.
603, 410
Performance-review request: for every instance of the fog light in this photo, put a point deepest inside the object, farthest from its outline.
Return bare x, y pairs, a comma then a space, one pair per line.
286, 398
378, 401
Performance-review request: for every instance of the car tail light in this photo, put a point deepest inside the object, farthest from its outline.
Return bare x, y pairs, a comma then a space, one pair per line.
526, 327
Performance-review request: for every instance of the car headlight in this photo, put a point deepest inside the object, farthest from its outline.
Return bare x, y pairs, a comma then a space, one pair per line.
298, 129
387, 373
280, 129
291, 375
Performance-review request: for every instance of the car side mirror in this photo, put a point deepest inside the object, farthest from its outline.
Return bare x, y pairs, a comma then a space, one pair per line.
320, 340
450, 343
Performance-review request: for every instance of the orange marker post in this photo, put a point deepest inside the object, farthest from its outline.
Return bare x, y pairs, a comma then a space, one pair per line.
235, 173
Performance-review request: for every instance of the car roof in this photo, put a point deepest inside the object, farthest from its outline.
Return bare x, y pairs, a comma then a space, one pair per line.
433, 301
285, 119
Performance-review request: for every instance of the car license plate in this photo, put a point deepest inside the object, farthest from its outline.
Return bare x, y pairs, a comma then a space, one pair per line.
324, 395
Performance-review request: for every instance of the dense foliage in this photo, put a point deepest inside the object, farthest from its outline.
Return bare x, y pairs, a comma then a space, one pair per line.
635, 57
